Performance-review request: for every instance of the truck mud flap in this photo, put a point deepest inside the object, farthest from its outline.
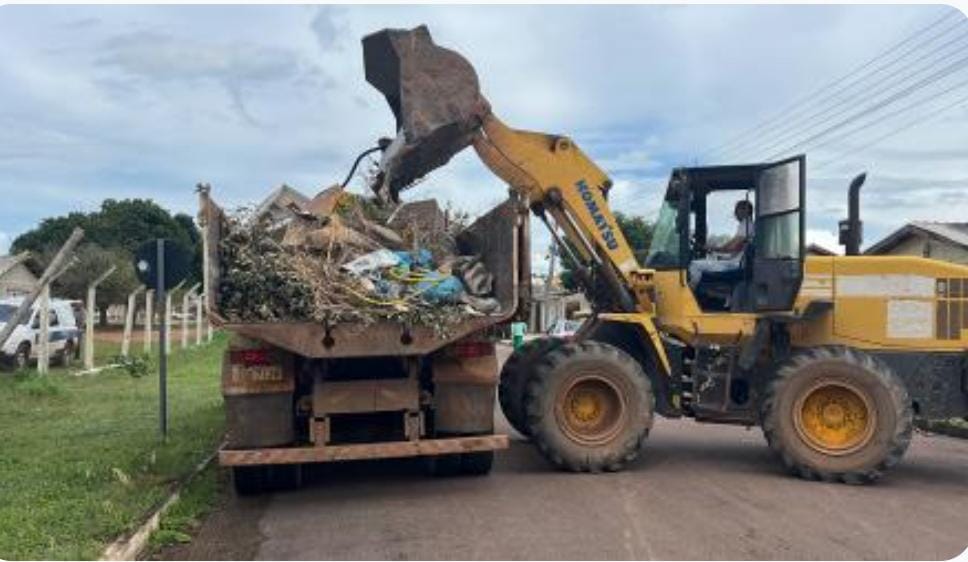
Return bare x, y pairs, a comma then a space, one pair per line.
336, 453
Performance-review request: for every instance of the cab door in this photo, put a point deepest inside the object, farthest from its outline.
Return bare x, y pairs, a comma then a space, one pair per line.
778, 244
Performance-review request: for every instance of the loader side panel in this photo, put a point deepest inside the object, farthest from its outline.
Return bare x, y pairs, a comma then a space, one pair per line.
897, 303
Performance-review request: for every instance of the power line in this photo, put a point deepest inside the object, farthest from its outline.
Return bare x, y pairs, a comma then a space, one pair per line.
946, 71
923, 119
792, 129
811, 97
892, 114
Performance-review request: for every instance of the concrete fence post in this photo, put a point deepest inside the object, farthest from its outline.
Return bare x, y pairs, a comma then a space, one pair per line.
129, 321
43, 340
198, 319
57, 266
89, 320
167, 325
187, 313
149, 318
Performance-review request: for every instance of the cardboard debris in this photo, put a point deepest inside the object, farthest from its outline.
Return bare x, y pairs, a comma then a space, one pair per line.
340, 257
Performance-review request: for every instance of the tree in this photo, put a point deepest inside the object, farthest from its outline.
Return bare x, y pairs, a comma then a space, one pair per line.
112, 236
91, 261
637, 231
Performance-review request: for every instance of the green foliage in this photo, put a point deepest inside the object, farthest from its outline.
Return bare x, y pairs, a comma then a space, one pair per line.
118, 227
34, 385
91, 261
135, 365
638, 232
185, 517
81, 467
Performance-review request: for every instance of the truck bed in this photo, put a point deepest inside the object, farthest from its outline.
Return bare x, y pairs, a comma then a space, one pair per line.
500, 237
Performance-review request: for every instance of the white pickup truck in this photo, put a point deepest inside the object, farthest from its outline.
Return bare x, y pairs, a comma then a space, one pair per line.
22, 346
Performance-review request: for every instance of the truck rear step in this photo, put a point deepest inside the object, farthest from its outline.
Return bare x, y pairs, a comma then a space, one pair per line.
387, 450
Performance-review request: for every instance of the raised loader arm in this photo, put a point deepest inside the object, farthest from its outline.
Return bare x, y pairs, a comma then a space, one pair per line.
436, 98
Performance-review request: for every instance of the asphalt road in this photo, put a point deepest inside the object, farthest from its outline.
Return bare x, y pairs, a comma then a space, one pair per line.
698, 492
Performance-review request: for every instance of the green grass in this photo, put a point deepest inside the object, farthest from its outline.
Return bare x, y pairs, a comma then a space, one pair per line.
81, 459
186, 515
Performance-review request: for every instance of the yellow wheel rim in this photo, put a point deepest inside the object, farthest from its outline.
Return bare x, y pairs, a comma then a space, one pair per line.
834, 417
590, 410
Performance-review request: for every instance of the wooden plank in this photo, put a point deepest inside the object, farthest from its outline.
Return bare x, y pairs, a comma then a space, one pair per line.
335, 453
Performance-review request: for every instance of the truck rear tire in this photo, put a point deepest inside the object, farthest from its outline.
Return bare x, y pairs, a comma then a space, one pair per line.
514, 378
477, 464
589, 407
837, 414
253, 480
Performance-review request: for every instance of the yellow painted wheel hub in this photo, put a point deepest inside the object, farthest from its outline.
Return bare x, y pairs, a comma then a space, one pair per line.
590, 410
834, 417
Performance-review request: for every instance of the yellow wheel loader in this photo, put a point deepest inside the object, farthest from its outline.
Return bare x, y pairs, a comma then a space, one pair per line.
831, 356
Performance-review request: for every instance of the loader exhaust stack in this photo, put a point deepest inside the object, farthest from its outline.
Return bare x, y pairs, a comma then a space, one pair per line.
435, 96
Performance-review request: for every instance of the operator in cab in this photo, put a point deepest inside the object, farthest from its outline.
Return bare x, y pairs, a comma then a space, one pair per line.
724, 262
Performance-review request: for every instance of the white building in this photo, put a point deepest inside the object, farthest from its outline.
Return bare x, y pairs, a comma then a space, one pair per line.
15, 279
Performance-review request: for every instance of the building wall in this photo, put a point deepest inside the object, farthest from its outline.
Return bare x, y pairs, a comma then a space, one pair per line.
17, 282
924, 246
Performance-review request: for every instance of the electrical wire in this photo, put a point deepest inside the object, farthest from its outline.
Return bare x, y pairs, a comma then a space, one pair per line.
944, 72
809, 98
796, 126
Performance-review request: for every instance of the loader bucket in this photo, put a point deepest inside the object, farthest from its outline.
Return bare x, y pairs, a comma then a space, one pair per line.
434, 94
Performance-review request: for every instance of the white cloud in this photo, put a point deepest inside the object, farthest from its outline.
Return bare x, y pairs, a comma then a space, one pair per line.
145, 101
824, 239
4, 243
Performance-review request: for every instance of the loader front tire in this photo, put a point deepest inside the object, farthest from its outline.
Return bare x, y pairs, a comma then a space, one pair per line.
589, 407
837, 415
514, 378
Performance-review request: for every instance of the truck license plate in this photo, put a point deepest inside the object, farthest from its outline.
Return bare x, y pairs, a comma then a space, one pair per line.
256, 379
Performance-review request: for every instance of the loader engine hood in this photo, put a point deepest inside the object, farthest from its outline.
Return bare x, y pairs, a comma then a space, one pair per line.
435, 96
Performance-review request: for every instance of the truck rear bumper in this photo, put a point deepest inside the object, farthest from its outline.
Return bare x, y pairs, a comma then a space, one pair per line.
334, 453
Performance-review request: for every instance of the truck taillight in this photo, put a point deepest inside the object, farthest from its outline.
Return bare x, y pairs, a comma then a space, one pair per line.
250, 357
468, 349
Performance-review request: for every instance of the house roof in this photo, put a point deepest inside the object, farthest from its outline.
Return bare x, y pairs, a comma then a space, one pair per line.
954, 232
818, 250
9, 262
283, 195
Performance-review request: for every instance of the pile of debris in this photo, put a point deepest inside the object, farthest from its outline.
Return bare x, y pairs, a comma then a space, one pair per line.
340, 257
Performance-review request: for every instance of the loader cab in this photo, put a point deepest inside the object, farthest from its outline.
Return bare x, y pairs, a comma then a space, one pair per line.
766, 274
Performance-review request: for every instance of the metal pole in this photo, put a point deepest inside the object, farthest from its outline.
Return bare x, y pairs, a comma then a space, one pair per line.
162, 343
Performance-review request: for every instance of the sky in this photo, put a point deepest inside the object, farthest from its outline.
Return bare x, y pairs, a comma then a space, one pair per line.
147, 101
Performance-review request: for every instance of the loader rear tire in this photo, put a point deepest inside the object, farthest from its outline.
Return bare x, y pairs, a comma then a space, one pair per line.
514, 378
589, 407
837, 415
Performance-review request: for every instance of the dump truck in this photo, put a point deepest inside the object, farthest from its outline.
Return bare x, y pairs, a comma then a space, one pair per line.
831, 356
299, 392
